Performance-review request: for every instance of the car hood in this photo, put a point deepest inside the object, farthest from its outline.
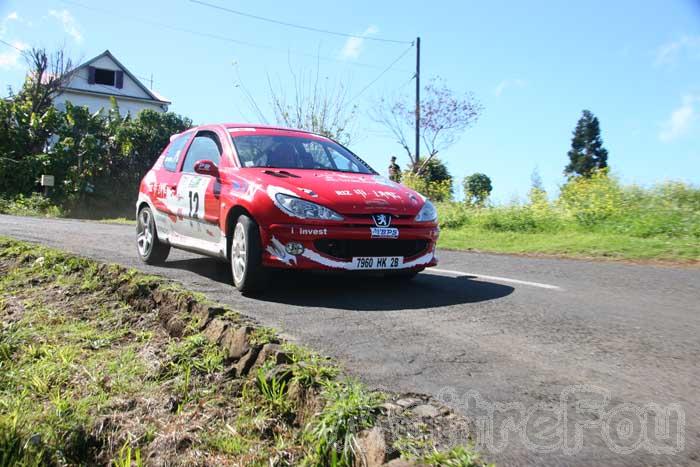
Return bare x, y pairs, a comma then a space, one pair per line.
343, 192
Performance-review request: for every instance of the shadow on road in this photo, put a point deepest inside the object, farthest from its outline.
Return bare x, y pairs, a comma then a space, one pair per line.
356, 292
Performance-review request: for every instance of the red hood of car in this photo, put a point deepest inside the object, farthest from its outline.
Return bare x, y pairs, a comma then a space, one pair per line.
343, 192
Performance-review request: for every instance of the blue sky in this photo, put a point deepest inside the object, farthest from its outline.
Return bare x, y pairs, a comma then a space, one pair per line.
534, 66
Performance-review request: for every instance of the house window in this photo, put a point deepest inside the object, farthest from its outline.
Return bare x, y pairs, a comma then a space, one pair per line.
106, 77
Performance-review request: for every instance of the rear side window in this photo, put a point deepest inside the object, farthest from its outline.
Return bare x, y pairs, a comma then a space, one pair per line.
205, 146
172, 155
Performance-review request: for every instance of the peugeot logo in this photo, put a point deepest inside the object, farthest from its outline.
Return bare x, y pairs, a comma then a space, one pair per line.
382, 220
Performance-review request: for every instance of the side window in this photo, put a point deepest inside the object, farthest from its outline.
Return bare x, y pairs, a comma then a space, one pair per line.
172, 156
205, 146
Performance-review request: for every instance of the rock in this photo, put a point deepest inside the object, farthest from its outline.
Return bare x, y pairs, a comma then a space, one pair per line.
215, 329
407, 402
235, 341
371, 446
402, 463
247, 361
390, 408
271, 350
175, 326
426, 410
203, 314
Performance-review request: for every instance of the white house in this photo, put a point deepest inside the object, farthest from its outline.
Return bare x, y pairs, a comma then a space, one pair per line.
93, 83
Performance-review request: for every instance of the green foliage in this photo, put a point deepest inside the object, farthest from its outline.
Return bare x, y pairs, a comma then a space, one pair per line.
274, 391
308, 367
459, 456
593, 215
193, 352
587, 153
128, 457
432, 170
349, 409
436, 190
33, 205
97, 159
477, 188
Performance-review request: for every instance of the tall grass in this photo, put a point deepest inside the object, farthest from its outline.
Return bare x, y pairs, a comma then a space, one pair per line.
600, 205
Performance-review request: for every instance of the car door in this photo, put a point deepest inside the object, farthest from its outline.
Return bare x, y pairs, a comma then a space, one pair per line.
199, 194
165, 199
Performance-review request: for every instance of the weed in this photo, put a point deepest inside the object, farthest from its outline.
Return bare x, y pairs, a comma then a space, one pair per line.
274, 392
263, 335
349, 409
128, 457
459, 456
309, 368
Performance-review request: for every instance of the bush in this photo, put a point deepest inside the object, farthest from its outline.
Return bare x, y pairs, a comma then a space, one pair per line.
96, 159
34, 205
593, 199
453, 215
434, 190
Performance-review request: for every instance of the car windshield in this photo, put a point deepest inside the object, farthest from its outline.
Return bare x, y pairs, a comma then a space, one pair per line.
296, 152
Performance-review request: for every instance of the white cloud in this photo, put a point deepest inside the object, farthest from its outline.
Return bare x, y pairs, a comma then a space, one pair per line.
680, 121
353, 46
508, 83
68, 22
669, 53
10, 58
13, 16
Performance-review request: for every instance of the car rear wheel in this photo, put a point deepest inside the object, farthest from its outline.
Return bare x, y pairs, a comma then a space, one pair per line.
151, 249
249, 276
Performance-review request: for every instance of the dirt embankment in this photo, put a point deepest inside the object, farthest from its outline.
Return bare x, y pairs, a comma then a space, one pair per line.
102, 365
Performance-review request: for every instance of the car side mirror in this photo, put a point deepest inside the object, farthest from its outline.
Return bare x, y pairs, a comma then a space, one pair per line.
206, 167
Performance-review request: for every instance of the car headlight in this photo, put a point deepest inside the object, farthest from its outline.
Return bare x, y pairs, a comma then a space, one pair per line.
428, 213
297, 207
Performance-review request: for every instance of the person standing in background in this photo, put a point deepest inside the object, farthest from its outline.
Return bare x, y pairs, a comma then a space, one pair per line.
394, 171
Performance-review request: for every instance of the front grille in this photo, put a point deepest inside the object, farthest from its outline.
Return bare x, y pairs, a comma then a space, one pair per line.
347, 249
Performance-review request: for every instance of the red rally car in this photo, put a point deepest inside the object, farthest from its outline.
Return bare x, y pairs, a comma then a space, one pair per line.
263, 197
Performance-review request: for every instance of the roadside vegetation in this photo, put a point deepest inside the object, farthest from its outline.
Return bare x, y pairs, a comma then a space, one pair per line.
100, 365
593, 216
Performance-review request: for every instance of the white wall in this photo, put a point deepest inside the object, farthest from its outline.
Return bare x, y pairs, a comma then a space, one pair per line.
95, 103
80, 81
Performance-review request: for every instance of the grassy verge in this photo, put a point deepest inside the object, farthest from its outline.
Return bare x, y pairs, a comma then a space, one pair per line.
592, 217
573, 244
100, 365
37, 205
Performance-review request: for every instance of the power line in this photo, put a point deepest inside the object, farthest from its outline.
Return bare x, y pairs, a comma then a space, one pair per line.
11, 45
214, 36
297, 26
382, 73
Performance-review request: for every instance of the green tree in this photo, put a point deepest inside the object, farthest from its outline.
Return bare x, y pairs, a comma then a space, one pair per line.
587, 153
477, 188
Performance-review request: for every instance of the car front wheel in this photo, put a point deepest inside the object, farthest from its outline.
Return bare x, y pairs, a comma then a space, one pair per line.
249, 276
151, 249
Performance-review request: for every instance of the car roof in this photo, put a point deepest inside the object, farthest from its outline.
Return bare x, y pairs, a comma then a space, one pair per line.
229, 126
266, 127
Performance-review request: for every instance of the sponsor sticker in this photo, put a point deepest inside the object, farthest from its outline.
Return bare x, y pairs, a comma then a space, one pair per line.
384, 232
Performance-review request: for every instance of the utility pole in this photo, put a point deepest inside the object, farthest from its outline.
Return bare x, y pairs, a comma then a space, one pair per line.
417, 100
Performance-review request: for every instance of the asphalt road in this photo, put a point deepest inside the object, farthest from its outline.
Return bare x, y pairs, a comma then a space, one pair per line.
568, 362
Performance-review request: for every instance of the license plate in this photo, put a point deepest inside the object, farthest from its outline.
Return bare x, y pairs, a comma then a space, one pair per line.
384, 232
377, 262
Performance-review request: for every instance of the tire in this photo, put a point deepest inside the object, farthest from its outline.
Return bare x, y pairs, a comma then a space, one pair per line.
150, 249
249, 276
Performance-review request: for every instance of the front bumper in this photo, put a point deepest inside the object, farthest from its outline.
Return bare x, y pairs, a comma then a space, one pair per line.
276, 237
